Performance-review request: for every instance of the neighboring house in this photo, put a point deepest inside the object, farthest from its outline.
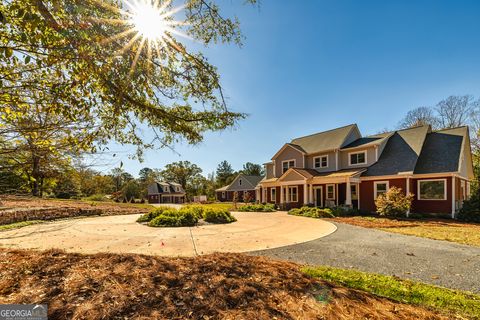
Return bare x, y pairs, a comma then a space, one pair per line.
166, 192
242, 184
340, 167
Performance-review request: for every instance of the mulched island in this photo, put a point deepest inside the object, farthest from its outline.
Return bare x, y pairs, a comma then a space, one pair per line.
217, 286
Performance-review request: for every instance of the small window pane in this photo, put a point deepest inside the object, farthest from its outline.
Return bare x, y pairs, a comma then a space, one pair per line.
324, 162
432, 190
317, 162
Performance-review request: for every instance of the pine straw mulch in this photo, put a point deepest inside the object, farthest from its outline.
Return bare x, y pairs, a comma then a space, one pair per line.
217, 286
381, 222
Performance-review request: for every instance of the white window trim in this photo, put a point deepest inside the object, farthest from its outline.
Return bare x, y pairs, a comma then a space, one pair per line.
272, 191
429, 180
320, 157
294, 164
375, 187
290, 193
357, 164
326, 191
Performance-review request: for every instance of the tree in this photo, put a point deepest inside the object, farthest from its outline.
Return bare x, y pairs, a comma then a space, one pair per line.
419, 116
252, 169
40, 143
225, 173
131, 190
182, 172
120, 177
145, 174
456, 111
89, 56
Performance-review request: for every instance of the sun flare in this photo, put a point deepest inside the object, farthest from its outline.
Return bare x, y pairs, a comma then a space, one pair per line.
148, 21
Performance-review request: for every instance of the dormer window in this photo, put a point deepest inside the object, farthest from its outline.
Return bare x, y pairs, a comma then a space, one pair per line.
287, 165
357, 158
320, 162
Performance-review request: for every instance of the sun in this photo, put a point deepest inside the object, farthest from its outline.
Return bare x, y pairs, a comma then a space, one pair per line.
149, 21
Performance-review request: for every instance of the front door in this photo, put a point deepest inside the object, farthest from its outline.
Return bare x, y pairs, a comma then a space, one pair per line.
318, 194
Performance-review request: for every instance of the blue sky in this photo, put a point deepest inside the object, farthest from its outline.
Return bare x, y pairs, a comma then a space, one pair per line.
309, 66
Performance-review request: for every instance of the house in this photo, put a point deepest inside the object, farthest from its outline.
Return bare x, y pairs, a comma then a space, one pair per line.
242, 184
341, 167
166, 192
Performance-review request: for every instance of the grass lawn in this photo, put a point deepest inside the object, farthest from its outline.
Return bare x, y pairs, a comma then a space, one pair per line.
445, 300
438, 229
217, 286
19, 224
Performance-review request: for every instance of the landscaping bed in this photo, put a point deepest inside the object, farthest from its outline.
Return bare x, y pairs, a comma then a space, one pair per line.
218, 286
18, 209
187, 216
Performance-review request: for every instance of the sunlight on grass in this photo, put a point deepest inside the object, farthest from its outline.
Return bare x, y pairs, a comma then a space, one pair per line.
406, 291
19, 224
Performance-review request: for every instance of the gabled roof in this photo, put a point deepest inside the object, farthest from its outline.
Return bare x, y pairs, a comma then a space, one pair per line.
401, 152
252, 181
323, 141
442, 151
369, 140
164, 187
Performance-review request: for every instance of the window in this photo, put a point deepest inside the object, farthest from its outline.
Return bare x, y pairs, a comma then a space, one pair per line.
381, 187
293, 192
240, 182
273, 197
287, 165
330, 191
353, 191
357, 158
320, 162
432, 189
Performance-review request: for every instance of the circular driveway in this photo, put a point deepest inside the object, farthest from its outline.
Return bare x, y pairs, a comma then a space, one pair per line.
252, 231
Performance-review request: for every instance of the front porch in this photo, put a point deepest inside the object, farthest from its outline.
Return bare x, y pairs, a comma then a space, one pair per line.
299, 187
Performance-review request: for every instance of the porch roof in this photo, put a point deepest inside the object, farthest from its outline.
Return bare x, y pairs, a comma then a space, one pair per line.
313, 176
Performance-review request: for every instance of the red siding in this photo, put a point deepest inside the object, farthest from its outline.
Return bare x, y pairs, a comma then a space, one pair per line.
432, 206
367, 201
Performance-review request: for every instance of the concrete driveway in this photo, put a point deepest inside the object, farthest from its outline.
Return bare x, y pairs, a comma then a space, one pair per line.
252, 231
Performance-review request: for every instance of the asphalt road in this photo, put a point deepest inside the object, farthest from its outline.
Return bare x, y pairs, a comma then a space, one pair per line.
436, 262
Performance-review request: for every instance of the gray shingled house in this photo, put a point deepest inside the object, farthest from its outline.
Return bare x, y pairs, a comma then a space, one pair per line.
166, 192
340, 167
242, 184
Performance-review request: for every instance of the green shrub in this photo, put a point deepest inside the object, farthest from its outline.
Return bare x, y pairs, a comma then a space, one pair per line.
312, 212
470, 211
147, 217
393, 203
174, 218
268, 207
198, 210
218, 216
342, 211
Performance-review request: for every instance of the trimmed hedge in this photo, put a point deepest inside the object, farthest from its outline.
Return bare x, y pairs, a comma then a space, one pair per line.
186, 217
175, 218
218, 216
147, 217
312, 212
268, 207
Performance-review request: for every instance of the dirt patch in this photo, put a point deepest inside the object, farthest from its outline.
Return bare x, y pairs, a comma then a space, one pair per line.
17, 209
218, 286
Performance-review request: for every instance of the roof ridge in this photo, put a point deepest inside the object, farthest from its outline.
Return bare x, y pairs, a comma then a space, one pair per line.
447, 129
309, 135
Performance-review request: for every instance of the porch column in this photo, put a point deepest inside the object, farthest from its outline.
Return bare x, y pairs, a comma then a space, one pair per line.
453, 196
407, 191
258, 194
281, 194
287, 194
305, 193
310, 193
348, 200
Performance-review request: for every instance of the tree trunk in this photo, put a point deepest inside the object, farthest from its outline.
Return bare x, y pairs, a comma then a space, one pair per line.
35, 175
